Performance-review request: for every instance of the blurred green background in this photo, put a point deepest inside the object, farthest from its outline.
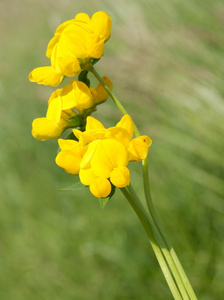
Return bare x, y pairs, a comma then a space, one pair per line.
166, 60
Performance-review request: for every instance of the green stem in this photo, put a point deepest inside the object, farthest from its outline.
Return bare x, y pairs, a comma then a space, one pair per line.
114, 98
146, 223
173, 259
162, 232
166, 254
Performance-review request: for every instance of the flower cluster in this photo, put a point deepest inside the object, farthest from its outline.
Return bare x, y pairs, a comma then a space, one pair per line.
75, 43
100, 156
68, 108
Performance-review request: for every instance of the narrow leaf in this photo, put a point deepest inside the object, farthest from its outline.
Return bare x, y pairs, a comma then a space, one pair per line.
74, 187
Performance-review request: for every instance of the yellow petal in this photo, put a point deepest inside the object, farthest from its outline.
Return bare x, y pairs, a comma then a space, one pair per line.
69, 161
68, 97
109, 154
120, 177
77, 95
89, 136
51, 45
77, 40
86, 176
68, 64
44, 129
86, 161
67, 144
93, 93
54, 95
74, 39
46, 76
102, 94
119, 134
100, 187
54, 109
138, 148
95, 46
83, 96
101, 24
92, 124
62, 26
82, 17
127, 124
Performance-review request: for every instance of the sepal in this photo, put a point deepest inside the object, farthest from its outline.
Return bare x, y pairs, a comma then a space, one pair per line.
83, 77
103, 201
77, 121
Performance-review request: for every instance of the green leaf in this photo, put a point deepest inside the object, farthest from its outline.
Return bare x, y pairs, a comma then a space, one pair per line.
74, 187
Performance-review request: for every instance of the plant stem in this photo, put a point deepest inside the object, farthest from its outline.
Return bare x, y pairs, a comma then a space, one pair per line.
168, 251
145, 221
166, 254
162, 232
114, 98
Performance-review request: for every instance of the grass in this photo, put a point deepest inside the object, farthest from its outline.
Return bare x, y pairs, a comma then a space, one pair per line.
166, 62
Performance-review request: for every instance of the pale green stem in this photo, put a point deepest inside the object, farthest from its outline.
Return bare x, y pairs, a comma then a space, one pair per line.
166, 253
113, 97
162, 232
145, 221
175, 260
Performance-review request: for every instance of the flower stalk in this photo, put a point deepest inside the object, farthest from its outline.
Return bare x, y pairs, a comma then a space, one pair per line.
160, 237
146, 223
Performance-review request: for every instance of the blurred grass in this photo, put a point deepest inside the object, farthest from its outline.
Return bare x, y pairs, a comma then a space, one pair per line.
166, 61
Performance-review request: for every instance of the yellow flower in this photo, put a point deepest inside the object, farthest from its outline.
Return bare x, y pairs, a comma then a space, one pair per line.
138, 147
55, 122
75, 41
102, 94
103, 161
101, 155
123, 132
77, 95
70, 156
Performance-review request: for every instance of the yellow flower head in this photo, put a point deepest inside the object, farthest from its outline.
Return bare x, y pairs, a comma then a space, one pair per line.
103, 161
105, 154
55, 122
75, 41
77, 95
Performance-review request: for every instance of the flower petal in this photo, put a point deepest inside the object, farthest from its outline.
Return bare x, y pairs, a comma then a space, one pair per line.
67, 144
101, 24
44, 129
69, 161
54, 108
127, 124
46, 75
92, 124
100, 187
138, 148
102, 94
82, 17
108, 155
120, 177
